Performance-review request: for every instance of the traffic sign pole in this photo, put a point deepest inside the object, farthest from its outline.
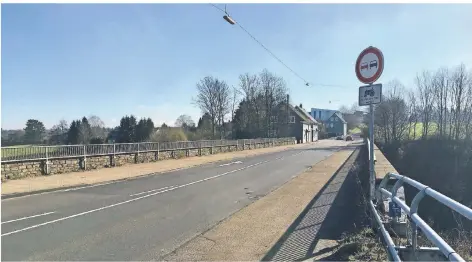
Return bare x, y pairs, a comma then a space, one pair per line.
371, 149
369, 67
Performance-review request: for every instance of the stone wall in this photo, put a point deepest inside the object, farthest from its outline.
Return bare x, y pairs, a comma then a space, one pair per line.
22, 169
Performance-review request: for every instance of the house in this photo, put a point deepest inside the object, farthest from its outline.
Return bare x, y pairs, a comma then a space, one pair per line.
296, 123
336, 125
333, 121
321, 115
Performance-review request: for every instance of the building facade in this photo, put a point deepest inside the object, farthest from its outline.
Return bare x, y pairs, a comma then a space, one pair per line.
294, 121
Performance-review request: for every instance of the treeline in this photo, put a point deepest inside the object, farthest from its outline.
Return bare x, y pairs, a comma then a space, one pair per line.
92, 130
426, 133
245, 111
439, 105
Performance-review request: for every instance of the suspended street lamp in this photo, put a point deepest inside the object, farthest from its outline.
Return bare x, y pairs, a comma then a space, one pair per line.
228, 18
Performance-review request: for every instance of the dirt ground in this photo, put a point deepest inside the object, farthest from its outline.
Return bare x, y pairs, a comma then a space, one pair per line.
107, 175
252, 231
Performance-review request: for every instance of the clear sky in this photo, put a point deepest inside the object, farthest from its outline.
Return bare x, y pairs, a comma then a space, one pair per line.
66, 61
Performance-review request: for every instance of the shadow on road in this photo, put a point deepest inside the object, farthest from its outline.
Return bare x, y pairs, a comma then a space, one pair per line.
326, 217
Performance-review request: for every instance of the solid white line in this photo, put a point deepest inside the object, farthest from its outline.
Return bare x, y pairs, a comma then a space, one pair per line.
138, 198
23, 218
159, 189
82, 187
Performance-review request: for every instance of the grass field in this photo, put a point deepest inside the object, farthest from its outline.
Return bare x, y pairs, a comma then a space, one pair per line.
355, 130
433, 128
23, 150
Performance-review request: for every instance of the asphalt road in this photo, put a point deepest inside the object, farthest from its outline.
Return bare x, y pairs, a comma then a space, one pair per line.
144, 218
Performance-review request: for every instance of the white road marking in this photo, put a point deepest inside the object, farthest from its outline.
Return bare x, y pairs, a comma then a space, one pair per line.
154, 190
82, 187
237, 162
23, 218
139, 198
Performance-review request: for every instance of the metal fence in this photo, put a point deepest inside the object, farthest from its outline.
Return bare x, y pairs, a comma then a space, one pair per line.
26, 153
415, 219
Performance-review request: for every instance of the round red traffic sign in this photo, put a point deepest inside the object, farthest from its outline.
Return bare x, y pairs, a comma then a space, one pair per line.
369, 65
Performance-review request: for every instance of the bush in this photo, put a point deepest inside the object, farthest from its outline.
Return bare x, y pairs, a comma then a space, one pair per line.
97, 140
169, 134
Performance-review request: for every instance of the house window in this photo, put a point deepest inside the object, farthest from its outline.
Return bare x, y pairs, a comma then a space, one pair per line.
292, 119
335, 119
331, 125
273, 119
272, 133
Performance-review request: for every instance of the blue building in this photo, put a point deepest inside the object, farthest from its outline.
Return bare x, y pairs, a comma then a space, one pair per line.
333, 121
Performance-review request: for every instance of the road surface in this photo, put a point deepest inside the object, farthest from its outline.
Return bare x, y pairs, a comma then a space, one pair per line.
144, 218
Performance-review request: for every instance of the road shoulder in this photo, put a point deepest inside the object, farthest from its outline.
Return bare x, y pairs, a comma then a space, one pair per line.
251, 232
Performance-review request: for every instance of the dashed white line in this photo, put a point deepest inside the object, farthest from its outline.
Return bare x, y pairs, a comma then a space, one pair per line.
139, 198
28, 217
227, 164
154, 190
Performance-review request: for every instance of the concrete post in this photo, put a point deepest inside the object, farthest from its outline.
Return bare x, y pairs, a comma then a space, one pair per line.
46, 163
84, 159
112, 157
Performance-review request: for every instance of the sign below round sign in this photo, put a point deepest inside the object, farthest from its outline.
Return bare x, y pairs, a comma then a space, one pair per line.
369, 65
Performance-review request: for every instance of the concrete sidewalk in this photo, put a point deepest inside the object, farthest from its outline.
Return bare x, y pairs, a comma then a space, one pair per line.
100, 176
250, 233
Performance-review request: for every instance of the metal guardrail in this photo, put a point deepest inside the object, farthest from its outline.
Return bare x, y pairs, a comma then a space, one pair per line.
412, 213
33, 153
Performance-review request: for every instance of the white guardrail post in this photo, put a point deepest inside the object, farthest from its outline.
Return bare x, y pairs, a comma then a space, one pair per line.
418, 222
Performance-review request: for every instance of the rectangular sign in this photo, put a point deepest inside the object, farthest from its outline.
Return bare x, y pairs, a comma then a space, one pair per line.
370, 95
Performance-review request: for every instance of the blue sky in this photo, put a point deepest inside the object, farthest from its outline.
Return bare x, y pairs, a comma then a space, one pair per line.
66, 61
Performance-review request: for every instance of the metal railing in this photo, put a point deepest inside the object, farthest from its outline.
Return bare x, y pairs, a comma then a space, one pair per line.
412, 213
32, 153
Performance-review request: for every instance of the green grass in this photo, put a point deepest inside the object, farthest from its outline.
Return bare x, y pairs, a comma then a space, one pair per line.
433, 128
22, 150
355, 130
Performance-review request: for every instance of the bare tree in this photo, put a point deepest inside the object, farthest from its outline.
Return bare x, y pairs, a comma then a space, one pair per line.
184, 121
344, 109
223, 106
274, 91
468, 109
250, 119
459, 88
398, 110
234, 101
392, 115
213, 98
426, 99
59, 132
440, 89
97, 127
413, 114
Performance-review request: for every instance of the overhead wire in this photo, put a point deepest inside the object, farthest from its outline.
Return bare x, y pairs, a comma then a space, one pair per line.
272, 54
263, 46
